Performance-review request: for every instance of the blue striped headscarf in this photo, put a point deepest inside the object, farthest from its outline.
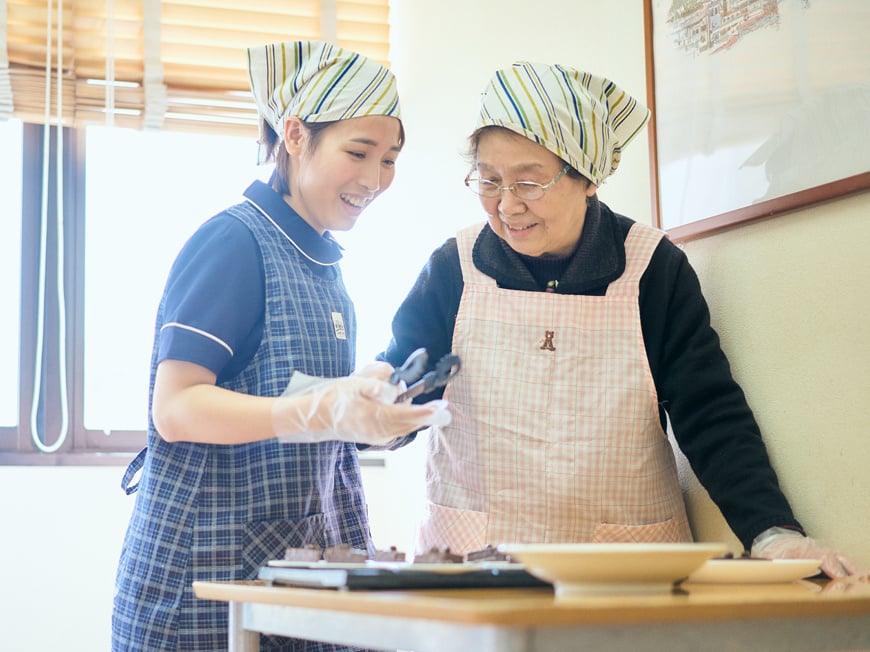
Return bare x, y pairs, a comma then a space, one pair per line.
318, 82
583, 119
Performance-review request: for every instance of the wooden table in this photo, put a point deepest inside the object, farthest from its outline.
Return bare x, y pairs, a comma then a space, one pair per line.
793, 617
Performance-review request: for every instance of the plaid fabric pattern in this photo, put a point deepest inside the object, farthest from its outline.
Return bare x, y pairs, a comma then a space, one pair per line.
584, 119
463, 529
209, 512
555, 418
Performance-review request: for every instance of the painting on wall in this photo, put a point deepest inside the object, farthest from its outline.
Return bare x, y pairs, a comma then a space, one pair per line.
759, 107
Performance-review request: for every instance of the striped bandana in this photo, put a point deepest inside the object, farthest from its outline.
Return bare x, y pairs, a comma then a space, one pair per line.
583, 119
318, 82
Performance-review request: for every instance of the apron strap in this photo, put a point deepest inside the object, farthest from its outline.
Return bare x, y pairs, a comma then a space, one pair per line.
134, 467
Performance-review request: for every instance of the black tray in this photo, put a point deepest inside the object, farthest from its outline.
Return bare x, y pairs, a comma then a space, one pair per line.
378, 578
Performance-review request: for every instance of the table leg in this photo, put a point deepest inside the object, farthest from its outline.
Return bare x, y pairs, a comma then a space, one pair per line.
240, 639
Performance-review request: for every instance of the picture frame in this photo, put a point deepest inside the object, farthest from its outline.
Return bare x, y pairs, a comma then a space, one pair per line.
758, 108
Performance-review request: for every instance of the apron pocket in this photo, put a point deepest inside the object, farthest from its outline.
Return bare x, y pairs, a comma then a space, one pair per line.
662, 532
461, 530
266, 540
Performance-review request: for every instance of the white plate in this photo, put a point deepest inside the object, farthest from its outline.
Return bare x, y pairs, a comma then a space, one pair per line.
577, 569
755, 571
399, 565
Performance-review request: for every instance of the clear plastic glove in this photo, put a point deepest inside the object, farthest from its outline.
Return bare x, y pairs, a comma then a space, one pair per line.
378, 370
359, 408
781, 543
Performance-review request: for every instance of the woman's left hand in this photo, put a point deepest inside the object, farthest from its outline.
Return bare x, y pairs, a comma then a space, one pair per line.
780, 543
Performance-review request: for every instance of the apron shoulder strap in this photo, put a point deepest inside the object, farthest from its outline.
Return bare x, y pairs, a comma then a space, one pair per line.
640, 244
465, 240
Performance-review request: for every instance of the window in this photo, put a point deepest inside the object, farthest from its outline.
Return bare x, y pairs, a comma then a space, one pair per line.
132, 198
135, 224
84, 311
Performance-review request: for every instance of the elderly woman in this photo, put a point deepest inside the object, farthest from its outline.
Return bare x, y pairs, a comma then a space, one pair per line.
581, 332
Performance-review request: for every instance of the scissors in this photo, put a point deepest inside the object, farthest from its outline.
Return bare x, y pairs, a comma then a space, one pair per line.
445, 369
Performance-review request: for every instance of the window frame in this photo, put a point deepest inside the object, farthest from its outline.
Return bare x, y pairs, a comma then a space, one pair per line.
82, 447
157, 81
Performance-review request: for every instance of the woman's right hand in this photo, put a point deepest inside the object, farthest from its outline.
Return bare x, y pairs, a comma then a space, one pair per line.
359, 408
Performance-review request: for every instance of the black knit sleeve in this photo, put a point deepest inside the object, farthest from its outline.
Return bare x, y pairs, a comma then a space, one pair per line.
426, 316
710, 417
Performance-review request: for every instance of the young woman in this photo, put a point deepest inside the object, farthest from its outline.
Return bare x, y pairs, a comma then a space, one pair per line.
254, 414
580, 333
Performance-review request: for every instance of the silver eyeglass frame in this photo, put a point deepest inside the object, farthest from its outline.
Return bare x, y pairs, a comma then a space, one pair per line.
496, 189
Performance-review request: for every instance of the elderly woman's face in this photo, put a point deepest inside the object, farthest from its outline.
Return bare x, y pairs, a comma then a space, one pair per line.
549, 226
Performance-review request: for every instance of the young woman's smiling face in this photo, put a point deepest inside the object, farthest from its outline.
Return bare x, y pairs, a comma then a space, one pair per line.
352, 162
549, 226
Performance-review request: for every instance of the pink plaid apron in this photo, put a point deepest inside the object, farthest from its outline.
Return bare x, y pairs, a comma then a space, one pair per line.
555, 434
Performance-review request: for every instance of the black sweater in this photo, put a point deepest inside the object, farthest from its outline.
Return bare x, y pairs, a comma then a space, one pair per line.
709, 415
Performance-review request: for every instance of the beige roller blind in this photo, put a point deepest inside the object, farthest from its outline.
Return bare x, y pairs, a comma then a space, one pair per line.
181, 62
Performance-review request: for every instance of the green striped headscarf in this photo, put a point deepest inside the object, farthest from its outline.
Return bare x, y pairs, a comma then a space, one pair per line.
318, 82
583, 119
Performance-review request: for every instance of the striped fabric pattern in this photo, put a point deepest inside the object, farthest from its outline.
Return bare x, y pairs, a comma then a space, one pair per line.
319, 82
584, 119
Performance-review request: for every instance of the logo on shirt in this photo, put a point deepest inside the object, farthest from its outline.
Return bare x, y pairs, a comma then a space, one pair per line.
547, 342
338, 326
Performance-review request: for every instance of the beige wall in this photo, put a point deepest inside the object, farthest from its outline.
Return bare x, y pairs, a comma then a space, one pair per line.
791, 300
789, 297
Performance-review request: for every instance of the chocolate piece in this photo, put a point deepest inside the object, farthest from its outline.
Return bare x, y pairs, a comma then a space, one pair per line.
343, 553
309, 552
436, 556
490, 553
389, 555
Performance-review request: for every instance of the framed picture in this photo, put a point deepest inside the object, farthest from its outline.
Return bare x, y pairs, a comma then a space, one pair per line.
759, 107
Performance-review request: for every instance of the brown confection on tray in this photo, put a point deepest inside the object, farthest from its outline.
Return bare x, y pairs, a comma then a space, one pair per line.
389, 555
308, 552
745, 555
490, 553
343, 553
437, 556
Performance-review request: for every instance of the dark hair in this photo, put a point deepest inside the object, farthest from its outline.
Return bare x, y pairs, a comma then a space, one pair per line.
275, 150
474, 145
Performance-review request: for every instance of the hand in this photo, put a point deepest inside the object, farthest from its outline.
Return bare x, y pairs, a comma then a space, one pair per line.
379, 371
359, 408
780, 543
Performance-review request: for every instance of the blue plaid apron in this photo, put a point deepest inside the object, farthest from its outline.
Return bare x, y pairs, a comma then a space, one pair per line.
211, 512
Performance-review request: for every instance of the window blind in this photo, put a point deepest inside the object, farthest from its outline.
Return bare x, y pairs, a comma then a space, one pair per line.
171, 64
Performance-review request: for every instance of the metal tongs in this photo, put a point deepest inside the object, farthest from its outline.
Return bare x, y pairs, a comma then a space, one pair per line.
409, 372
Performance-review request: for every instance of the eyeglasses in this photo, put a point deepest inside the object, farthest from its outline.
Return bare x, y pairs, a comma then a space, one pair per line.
527, 190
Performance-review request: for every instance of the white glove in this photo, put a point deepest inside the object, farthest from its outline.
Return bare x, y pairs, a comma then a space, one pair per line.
359, 408
781, 543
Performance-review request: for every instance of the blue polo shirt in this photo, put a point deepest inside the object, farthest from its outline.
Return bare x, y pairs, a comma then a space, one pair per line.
214, 299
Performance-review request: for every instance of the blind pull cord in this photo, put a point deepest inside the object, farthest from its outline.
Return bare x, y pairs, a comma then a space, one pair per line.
110, 63
61, 299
